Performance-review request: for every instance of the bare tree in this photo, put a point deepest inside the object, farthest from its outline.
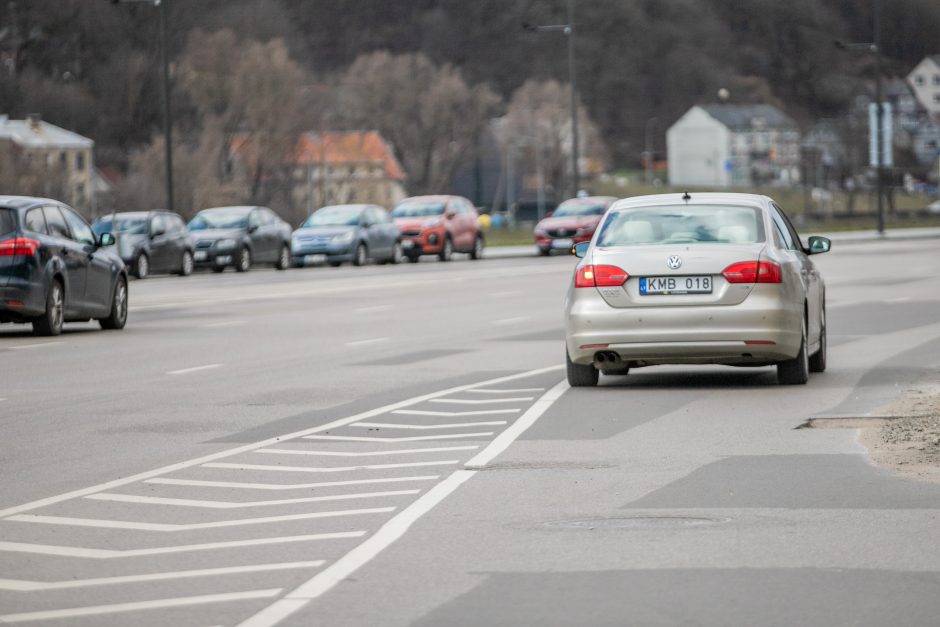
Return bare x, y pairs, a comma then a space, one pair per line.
429, 113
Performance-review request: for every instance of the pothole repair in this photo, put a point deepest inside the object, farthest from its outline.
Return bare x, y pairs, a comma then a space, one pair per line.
637, 522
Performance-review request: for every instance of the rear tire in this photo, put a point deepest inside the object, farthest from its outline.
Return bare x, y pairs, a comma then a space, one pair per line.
477, 252
361, 257
795, 371
50, 323
186, 264
118, 316
142, 266
283, 259
580, 376
397, 254
817, 361
243, 263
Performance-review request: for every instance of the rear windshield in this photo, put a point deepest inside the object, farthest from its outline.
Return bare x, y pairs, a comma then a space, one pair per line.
579, 208
686, 224
7, 221
418, 209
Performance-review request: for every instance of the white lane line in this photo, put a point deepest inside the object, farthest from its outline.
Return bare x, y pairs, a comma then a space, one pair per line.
171, 527
415, 438
280, 439
222, 325
77, 551
328, 469
158, 500
117, 608
283, 486
376, 309
375, 340
439, 449
526, 420
482, 401
36, 345
503, 294
195, 369
359, 556
396, 527
516, 320
480, 412
22, 585
455, 425
503, 391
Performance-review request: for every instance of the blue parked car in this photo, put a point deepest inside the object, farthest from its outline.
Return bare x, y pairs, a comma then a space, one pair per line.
354, 233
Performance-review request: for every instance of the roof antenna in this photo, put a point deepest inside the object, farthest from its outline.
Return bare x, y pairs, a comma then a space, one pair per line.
686, 196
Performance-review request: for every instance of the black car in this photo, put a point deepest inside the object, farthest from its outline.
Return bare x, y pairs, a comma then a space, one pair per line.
239, 237
150, 242
54, 269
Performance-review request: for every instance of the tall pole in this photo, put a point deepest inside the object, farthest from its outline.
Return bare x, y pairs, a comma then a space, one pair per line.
879, 120
572, 79
167, 115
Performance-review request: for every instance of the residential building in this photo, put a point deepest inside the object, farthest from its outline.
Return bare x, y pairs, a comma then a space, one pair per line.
725, 145
924, 80
39, 158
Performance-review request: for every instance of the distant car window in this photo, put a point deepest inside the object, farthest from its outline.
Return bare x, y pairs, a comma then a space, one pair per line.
382, 216
687, 224
34, 221
337, 215
158, 224
579, 208
418, 209
788, 227
270, 217
254, 218
56, 223
220, 218
131, 226
7, 221
81, 232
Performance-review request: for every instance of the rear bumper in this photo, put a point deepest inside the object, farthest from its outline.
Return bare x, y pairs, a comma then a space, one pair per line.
21, 300
717, 334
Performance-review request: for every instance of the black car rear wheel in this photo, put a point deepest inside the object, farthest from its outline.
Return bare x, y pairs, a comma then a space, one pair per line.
118, 316
186, 264
50, 323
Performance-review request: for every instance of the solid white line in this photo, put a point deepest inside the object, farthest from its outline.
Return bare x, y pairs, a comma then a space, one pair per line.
416, 438
171, 527
455, 425
439, 449
497, 391
377, 340
327, 469
516, 320
36, 345
195, 369
502, 294
483, 401
158, 500
116, 608
376, 309
526, 420
77, 551
359, 556
280, 439
283, 486
20, 585
481, 412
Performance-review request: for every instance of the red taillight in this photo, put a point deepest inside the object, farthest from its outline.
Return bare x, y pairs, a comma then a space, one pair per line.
18, 246
600, 276
752, 272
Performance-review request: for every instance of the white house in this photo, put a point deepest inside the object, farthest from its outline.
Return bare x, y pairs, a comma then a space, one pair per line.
722, 145
924, 80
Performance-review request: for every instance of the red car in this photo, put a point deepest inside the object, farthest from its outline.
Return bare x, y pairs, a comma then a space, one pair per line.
574, 221
438, 225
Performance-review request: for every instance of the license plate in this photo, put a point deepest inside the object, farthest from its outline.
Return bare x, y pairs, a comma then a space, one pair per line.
315, 259
223, 260
669, 285
200, 255
562, 243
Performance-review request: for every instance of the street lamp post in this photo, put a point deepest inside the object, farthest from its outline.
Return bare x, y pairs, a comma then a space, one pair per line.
167, 114
568, 30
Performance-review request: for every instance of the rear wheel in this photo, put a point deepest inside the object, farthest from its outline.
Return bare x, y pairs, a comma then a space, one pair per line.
817, 361
477, 252
580, 376
243, 264
283, 259
50, 322
118, 316
397, 254
447, 251
795, 371
142, 266
186, 264
361, 256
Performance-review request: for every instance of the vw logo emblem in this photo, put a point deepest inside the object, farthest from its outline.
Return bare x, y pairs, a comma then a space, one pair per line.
674, 262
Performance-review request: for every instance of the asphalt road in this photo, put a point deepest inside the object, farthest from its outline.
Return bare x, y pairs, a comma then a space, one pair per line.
396, 446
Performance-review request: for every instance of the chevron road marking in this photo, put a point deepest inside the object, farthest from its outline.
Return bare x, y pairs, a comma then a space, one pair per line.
157, 500
446, 462
458, 425
498, 391
482, 401
283, 486
482, 412
440, 449
416, 438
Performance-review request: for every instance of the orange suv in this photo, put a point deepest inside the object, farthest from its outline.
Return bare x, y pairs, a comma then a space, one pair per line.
438, 225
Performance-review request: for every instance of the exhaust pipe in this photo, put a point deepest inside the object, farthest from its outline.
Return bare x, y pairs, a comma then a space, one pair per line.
607, 358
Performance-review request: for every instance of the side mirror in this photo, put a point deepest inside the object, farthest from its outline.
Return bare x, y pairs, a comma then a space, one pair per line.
819, 245
106, 239
450, 214
252, 228
157, 233
580, 249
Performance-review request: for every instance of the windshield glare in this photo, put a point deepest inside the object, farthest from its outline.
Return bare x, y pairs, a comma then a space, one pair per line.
418, 209
219, 219
334, 216
578, 209
130, 226
682, 225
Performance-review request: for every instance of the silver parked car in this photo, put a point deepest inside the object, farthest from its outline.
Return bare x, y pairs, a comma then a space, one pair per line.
354, 233
707, 278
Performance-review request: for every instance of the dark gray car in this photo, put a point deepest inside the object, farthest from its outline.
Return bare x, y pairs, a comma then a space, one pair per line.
150, 242
354, 233
239, 237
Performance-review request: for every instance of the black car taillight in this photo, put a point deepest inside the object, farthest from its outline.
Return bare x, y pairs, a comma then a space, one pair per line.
18, 246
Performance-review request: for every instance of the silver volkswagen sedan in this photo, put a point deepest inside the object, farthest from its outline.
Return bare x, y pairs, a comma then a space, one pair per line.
710, 278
